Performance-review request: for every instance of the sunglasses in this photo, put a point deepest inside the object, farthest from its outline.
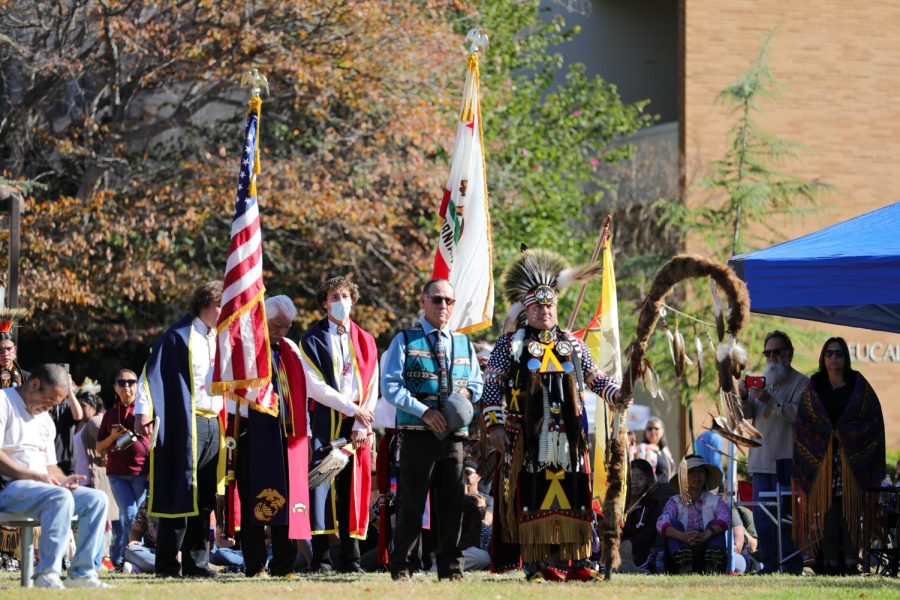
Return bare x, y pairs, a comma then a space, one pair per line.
834, 353
442, 300
773, 353
126, 382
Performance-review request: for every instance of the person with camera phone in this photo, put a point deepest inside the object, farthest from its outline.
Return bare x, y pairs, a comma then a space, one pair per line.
127, 461
771, 401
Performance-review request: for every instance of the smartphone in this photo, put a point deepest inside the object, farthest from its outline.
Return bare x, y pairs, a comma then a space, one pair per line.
755, 382
65, 366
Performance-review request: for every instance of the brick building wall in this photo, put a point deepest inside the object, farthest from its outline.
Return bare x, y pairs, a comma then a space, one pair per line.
839, 65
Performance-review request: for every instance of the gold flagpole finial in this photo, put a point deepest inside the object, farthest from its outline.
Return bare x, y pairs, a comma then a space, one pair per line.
477, 39
255, 82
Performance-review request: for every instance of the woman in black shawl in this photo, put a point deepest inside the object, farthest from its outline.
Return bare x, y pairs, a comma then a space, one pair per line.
839, 455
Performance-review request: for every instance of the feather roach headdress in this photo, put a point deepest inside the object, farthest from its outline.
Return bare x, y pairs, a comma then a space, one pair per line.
537, 276
8, 318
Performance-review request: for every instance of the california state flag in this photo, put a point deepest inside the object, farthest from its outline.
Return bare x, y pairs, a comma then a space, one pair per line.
464, 246
602, 338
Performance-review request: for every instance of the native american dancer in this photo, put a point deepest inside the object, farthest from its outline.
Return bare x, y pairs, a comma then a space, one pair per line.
341, 363
532, 408
11, 374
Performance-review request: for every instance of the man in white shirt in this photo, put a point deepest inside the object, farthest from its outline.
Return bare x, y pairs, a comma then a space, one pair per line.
34, 486
341, 364
185, 465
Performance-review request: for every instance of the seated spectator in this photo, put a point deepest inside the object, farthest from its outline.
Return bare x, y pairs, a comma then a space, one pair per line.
140, 553
694, 521
36, 487
746, 542
475, 508
640, 516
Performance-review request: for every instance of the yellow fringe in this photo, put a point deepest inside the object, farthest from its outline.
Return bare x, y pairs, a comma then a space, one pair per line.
809, 510
573, 536
9, 540
854, 502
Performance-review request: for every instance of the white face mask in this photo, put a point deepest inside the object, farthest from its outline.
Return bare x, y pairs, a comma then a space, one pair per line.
340, 310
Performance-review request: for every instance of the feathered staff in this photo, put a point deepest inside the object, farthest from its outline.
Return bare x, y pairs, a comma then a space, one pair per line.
730, 357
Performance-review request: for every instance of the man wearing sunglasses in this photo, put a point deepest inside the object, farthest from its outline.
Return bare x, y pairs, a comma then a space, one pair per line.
773, 409
424, 367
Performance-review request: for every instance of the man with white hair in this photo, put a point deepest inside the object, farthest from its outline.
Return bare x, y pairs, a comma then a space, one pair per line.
773, 408
272, 458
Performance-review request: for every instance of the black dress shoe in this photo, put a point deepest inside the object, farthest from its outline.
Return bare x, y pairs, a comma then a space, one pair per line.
400, 576
352, 569
201, 574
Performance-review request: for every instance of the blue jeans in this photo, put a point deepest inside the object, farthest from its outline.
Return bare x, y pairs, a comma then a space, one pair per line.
129, 492
142, 557
228, 557
673, 545
768, 533
54, 507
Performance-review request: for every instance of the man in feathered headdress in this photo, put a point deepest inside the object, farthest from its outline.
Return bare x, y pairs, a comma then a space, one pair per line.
532, 408
11, 374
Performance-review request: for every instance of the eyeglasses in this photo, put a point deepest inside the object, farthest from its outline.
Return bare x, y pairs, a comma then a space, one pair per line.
834, 353
773, 353
653, 429
126, 382
442, 300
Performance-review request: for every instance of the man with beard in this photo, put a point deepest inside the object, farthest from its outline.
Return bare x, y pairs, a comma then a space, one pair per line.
773, 409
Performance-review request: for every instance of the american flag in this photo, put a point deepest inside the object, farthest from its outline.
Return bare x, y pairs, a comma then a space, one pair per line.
242, 366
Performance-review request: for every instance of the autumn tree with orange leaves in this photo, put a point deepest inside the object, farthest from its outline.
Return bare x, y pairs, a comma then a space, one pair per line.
130, 115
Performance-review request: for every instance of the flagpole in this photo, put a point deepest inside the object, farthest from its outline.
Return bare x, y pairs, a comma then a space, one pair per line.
256, 83
604, 234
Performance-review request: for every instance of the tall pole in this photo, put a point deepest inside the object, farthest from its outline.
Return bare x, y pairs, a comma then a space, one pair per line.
604, 233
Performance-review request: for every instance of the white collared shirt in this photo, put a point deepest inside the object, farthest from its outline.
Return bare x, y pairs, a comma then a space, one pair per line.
203, 355
343, 399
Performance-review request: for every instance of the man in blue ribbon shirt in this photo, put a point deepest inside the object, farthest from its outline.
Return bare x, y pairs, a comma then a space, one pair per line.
423, 368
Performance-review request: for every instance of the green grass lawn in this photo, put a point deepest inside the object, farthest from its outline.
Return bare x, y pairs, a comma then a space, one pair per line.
479, 586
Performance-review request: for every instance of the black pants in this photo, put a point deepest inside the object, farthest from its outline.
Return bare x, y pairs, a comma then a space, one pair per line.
429, 464
340, 487
253, 537
191, 534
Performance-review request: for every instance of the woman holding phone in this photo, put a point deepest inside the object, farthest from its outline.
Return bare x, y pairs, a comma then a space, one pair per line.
127, 456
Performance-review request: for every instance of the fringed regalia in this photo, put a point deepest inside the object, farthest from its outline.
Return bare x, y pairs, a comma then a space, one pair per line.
850, 452
542, 491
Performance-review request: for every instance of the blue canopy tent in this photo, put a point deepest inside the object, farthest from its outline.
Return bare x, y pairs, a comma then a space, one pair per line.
847, 274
